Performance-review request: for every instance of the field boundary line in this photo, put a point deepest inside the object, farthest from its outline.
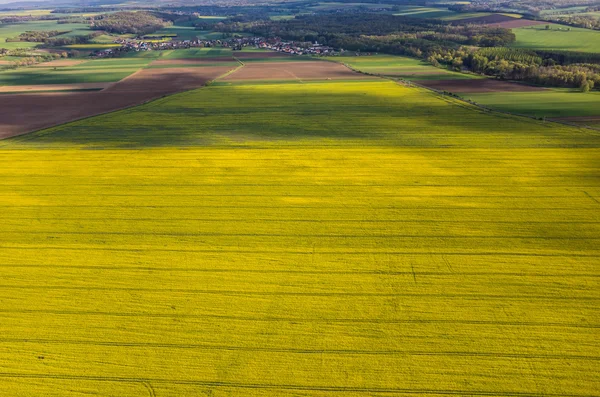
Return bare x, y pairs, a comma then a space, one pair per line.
136, 248
317, 320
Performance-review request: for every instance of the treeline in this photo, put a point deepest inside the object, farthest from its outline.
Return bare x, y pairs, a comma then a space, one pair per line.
73, 20
82, 10
440, 43
70, 40
520, 65
53, 38
350, 27
26, 18
36, 36
26, 59
584, 76
139, 23
533, 8
580, 21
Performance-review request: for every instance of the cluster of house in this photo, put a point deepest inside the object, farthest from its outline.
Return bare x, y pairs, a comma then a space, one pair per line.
298, 48
294, 48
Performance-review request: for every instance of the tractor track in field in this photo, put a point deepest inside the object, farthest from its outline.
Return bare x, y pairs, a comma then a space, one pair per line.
306, 388
207, 346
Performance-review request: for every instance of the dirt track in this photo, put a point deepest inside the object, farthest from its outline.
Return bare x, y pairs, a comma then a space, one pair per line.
22, 113
306, 70
477, 86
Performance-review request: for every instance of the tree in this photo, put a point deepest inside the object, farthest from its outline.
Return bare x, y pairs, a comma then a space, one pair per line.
585, 86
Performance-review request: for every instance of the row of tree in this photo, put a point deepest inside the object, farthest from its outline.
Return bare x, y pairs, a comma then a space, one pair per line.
36, 36
26, 59
530, 70
533, 8
350, 27
581, 21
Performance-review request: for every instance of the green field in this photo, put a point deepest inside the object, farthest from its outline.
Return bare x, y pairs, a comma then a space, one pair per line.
14, 30
558, 38
94, 71
396, 66
62, 76
92, 47
425, 12
549, 103
182, 32
332, 5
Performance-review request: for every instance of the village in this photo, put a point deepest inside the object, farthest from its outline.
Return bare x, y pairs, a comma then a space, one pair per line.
236, 44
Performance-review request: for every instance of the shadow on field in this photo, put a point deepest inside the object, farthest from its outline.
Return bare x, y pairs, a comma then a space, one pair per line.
356, 113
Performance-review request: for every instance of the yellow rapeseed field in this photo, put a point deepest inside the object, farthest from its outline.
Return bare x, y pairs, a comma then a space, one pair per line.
318, 239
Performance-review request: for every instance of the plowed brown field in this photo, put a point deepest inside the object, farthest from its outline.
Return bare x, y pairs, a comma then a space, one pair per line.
294, 70
55, 87
191, 61
22, 113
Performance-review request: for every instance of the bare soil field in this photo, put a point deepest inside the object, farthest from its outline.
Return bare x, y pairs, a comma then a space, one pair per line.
22, 113
191, 61
167, 81
477, 86
502, 21
55, 87
260, 55
59, 63
489, 19
590, 121
294, 71
517, 23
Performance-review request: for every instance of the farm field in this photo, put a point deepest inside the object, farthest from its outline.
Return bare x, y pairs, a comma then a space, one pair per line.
298, 71
551, 103
425, 12
54, 87
507, 21
482, 85
397, 66
63, 75
125, 82
196, 53
576, 39
74, 71
14, 30
324, 238
332, 5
